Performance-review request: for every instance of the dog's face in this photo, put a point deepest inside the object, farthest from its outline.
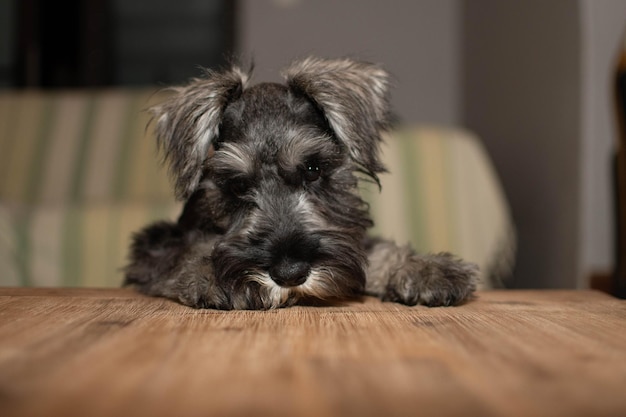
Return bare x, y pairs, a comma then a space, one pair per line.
270, 170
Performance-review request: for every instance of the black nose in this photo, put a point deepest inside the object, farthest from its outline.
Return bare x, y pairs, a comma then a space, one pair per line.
290, 273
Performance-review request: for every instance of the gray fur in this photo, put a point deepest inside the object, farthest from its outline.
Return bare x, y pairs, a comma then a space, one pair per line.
272, 214
187, 124
354, 97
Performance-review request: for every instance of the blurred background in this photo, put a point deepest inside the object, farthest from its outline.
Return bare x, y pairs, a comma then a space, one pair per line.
533, 79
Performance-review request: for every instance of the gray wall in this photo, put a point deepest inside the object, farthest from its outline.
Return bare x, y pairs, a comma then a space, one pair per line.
521, 94
418, 41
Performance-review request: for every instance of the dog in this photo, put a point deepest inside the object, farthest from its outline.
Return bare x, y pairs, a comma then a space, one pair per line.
269, 175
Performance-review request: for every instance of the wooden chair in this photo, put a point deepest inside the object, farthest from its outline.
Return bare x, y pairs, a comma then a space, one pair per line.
619, 277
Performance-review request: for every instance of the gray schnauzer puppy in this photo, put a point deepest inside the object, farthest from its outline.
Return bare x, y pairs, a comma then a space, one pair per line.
273, 215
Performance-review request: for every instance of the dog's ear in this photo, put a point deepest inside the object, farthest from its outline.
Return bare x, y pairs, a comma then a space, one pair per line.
353, 96
188, 122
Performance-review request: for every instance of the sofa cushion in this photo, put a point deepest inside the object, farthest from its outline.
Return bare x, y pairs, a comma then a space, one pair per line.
442, 194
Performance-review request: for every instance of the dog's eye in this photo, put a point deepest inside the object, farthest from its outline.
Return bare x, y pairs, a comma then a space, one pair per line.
312, 172
238, 187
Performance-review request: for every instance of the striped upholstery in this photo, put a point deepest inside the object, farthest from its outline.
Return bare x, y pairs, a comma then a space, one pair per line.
79, 174
442, 194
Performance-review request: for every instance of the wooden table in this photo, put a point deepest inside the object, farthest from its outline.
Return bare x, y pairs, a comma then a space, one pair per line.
84, 352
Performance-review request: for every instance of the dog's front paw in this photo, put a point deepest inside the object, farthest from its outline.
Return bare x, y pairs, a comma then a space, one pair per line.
432, 280
195, 291
192, 290
176, 271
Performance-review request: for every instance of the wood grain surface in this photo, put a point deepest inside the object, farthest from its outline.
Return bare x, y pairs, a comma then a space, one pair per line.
115, 353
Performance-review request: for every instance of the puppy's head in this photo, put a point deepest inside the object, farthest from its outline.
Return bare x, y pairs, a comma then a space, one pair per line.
271, 169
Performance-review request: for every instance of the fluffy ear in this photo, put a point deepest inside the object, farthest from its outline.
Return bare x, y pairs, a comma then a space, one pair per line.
353, 97
188, 122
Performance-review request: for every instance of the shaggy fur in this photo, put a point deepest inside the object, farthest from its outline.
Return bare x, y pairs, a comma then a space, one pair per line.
273, 215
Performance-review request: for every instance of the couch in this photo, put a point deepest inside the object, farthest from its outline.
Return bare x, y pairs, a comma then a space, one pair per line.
79, 173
